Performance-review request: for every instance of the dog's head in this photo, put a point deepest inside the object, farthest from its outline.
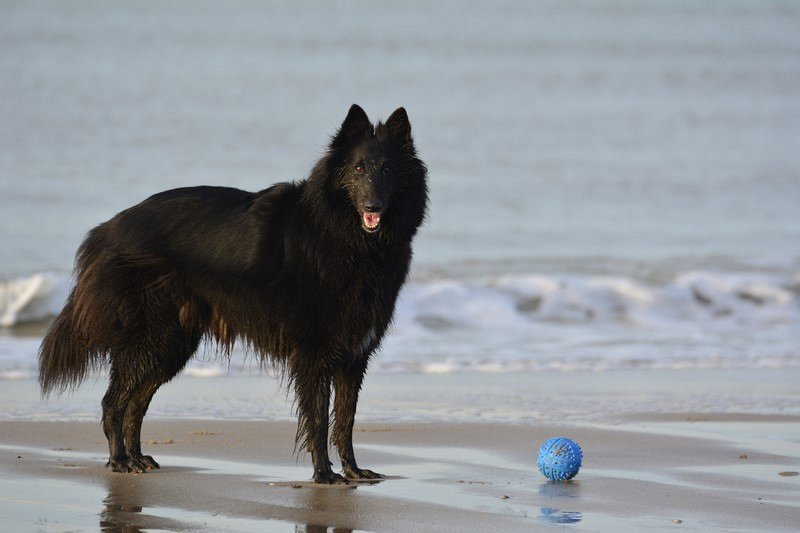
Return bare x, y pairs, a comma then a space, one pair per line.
374, 164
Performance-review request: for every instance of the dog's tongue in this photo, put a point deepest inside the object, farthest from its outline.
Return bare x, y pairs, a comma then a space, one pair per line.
371, 220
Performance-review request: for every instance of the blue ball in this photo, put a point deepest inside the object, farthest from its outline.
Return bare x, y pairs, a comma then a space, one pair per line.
559, 459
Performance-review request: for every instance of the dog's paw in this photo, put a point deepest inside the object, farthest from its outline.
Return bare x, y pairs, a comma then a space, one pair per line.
148, 462
361, 473
125, 465
329, 478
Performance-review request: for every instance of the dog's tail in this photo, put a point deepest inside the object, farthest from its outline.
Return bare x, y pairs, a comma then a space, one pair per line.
71, 349
64, 356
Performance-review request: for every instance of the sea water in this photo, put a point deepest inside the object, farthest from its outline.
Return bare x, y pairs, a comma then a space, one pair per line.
614, 185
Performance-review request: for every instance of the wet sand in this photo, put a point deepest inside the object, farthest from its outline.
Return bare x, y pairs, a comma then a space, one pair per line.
644, 471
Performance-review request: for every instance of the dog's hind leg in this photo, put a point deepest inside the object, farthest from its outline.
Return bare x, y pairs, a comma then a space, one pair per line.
347, 384
121, 387
176, 346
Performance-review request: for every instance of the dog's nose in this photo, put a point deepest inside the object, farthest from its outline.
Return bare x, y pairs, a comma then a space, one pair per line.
373, 206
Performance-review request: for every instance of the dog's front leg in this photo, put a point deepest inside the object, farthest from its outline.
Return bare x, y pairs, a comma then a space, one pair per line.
347, 384
313, 392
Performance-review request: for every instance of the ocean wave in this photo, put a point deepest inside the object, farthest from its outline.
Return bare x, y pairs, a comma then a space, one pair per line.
522, 323
32, 298
509, 301
516, 301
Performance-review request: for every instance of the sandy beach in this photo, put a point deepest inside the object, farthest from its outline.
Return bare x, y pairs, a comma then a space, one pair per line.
691, 470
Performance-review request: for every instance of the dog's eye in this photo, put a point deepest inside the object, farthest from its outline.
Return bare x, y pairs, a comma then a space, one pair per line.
360, 168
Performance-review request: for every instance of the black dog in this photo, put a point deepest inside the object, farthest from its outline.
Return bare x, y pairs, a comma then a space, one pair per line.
306, 274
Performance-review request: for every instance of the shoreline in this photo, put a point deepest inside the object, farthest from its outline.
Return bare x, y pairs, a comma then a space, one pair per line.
234, 475
494, 398
658, 446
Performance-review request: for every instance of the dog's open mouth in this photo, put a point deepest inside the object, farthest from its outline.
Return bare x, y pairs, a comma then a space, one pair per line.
371, 222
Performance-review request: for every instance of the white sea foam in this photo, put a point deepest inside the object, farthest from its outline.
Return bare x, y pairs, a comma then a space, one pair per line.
32, 298
530, 322
516, 301
204, 371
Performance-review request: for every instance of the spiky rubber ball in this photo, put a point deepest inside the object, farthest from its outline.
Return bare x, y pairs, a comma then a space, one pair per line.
559, 459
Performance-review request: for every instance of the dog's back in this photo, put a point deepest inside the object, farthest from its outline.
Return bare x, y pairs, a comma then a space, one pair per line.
154, 262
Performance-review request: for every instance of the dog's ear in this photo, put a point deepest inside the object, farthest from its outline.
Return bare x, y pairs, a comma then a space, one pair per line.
399, 127
355, 126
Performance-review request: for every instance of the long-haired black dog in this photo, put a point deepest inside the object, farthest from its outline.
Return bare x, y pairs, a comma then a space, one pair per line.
306, 274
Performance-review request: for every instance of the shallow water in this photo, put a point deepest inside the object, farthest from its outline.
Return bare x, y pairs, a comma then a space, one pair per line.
613, 184
56, 505
507, 398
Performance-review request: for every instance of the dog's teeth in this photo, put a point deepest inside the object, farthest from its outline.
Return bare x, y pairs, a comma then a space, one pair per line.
371, 220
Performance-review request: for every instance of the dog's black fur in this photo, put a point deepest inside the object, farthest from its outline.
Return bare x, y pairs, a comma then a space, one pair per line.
306, 274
